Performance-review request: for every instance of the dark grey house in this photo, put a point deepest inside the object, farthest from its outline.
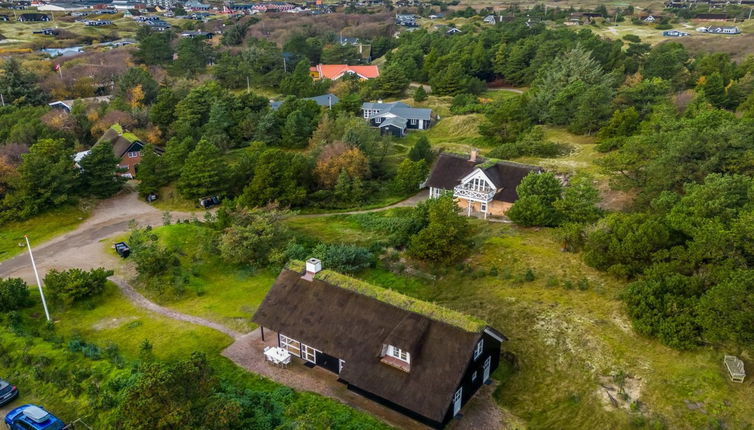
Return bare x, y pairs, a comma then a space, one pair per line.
396, 118
418, 358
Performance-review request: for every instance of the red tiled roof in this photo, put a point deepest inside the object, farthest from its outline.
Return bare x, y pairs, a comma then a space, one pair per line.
335, 71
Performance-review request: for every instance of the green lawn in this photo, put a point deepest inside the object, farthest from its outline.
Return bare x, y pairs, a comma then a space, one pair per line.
569, 333
216, 291
40, 229
579, 159
113, 318
337, 228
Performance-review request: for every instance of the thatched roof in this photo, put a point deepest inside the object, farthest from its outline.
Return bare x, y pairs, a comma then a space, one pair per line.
353, 320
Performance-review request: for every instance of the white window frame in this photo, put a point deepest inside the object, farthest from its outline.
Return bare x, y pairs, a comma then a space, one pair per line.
474, 375
478, 348
308, 353
290, 345
483, 207
413, 121
378, 120
398, 353
133, 154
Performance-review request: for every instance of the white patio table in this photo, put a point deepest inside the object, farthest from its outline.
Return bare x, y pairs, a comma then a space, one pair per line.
278, 356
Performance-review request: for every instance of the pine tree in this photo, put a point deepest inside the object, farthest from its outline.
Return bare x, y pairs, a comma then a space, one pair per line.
299, 83
421, 150
420, 94
47, 177
162, 112
392, 81
445, 239
151, 172
204, 172
450, 81
297, 130
98, 171
19, 86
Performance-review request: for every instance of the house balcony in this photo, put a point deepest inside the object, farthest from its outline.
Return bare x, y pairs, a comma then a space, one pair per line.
462, 192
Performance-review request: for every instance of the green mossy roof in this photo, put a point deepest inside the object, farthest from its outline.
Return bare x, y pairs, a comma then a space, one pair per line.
429, 310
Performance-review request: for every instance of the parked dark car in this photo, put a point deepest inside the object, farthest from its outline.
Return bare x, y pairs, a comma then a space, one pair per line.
32, 417
208, 202
122, 249
151, 197
8, 392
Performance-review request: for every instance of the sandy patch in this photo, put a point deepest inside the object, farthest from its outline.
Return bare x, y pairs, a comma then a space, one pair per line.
110, 323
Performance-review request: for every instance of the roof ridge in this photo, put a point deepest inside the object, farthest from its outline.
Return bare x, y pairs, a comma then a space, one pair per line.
391, 297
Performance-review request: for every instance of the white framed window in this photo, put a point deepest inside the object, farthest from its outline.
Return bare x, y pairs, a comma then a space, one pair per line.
378, 120
413, 121
398, 353
133, 154
478, 349
474, 376
308, 353
290, 345
483, 207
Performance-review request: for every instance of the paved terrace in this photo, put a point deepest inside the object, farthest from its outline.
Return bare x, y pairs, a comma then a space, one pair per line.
248, 352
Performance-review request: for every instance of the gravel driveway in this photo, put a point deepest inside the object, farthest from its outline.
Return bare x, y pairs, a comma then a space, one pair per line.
82, 247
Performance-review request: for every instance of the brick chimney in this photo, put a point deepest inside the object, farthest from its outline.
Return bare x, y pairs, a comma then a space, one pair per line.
473, 155
313, 266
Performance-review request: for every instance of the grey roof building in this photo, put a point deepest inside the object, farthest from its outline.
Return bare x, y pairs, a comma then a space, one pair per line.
396, 118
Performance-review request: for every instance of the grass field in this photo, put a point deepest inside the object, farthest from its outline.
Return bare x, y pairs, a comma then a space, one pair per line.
569, 333
216, 291
113, 318
39, 228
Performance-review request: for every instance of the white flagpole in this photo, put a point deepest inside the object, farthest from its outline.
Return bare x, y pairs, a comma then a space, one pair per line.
36, 274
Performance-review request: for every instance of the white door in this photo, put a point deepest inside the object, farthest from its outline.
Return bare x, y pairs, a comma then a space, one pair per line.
308, 353
487, 365
457, 401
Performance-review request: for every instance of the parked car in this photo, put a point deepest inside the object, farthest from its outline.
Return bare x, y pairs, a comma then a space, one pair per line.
208, 202
32, 417
122, 249
151, 197
8, 392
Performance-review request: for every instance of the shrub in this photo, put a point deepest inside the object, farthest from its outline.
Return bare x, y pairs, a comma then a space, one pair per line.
73, 285
14, 294
344, 257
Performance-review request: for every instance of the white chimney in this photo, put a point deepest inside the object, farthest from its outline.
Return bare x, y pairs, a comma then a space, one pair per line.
313, 266
472, 156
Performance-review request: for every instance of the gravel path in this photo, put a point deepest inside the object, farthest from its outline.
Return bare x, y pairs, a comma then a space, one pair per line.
82, 247
145, 303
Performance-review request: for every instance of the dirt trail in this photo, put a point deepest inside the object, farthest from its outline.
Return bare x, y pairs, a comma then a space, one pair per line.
145, 303
81, 247
411, 201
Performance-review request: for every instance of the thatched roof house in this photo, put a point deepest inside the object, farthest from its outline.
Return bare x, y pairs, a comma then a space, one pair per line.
421, 359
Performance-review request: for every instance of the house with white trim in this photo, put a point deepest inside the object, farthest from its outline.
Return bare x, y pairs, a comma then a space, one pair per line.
481, 187
396, 118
